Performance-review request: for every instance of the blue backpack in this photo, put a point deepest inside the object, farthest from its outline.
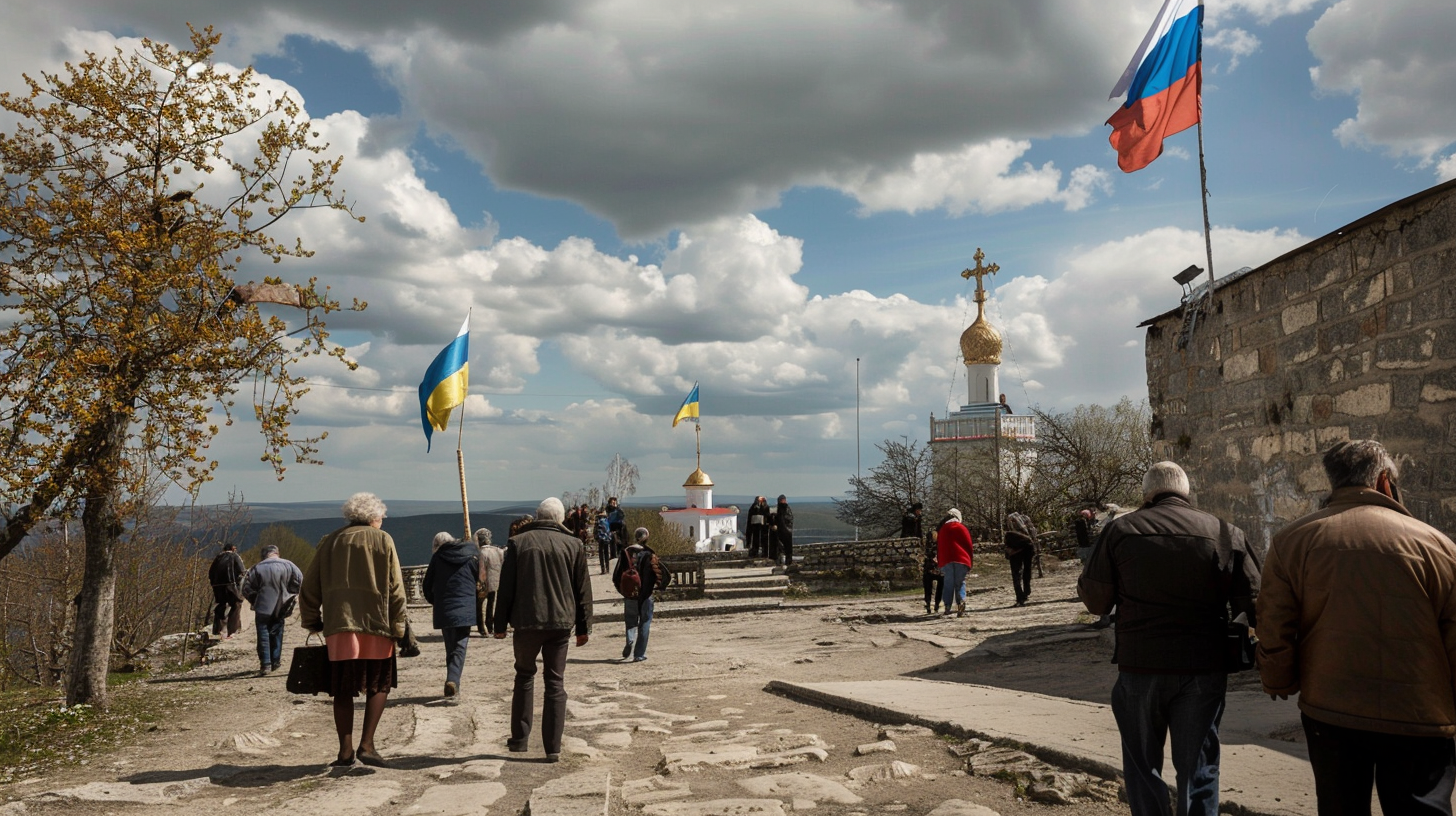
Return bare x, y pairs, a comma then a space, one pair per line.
603, 531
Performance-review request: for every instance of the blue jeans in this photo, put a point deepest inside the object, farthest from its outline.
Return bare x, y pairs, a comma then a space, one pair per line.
638, 615
955, 584
457, 640
1149, 707
270, 641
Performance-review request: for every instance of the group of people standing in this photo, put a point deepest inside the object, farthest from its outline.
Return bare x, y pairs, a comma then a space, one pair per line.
1355, 611
605, 528
770, 530
949, 556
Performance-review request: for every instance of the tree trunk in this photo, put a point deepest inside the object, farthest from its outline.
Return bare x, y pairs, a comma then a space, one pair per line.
95, 615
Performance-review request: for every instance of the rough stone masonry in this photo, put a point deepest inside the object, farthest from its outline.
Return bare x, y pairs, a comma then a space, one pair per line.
1352, 335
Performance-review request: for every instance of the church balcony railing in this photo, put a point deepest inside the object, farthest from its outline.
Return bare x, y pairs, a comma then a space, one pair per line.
963, 429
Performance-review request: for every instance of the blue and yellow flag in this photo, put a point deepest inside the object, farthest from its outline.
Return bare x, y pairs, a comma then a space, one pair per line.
445, 383
689, 409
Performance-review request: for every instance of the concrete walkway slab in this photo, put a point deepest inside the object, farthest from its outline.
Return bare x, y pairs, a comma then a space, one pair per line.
1258, 775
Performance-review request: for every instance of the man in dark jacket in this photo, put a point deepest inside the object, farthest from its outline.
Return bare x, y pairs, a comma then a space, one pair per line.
270, 584
545, 593
1020, 543
783, 530
1173, 572
637, 610
449, 585
226, 577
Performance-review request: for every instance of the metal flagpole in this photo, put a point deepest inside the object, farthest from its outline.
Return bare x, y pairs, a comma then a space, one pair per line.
1203, 184
857, 445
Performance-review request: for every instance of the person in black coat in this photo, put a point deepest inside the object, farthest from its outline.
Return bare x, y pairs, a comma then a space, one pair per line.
758, 516
449, 585
1020, 551
783, 529
931, 577
911, 524
226, 576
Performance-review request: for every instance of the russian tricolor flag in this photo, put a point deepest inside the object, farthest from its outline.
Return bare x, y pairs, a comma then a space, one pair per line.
1163, 83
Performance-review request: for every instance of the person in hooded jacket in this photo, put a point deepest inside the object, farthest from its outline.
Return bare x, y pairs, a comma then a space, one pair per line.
450, 586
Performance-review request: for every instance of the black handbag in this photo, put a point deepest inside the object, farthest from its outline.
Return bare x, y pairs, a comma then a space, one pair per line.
407, 646
308, 672
1239, 646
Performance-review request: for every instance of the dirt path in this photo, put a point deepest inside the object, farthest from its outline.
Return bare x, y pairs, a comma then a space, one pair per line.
686, 716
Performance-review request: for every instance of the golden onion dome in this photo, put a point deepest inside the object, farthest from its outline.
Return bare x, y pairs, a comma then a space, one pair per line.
981, 343
698, 479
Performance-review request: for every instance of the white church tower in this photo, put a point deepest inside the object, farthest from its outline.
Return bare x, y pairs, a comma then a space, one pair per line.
985, 414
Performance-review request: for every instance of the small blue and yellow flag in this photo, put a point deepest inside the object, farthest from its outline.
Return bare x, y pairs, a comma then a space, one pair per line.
445, 383
689, 409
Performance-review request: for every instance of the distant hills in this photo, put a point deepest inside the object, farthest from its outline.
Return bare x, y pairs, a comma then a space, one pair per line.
413, 524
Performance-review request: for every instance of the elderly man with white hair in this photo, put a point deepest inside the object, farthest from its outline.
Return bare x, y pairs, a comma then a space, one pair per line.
1173, 573
545, 594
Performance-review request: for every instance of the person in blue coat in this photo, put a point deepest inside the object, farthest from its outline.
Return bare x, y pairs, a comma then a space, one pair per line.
449, 586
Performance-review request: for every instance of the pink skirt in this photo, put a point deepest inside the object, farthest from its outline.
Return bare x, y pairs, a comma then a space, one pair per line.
359, 646
361, 664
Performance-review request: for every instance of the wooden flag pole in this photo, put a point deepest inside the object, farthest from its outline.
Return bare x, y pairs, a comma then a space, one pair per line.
460, 457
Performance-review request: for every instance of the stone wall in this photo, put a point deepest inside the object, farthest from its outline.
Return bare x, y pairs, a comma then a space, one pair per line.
1350, 336
877, 565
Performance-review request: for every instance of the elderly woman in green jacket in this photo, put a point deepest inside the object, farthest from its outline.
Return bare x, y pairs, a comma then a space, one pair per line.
353, 592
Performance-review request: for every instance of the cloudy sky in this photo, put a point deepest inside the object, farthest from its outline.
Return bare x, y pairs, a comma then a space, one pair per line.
634, 195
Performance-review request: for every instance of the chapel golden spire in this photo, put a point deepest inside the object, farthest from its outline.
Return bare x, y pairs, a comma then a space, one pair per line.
981, 343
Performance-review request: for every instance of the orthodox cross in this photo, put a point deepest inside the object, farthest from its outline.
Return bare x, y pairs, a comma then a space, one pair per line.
980, 272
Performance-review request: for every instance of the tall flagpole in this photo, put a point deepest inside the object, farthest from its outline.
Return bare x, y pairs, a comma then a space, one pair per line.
1203, 172
460, 452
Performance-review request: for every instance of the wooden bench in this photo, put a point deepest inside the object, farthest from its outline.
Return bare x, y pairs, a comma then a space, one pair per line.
689, 579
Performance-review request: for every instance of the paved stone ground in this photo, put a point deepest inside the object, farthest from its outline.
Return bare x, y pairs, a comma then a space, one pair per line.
693, 730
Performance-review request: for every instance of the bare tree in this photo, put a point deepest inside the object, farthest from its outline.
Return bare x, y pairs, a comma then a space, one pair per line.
1095, 454
622, 478
37, 585
879, 501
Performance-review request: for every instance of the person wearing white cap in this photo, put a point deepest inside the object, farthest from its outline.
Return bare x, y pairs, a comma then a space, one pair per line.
953, 555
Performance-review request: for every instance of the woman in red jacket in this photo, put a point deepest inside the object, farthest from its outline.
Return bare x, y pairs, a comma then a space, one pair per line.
953, 556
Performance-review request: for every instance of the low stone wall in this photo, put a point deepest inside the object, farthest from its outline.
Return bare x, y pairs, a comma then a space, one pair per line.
878, 565
414, 590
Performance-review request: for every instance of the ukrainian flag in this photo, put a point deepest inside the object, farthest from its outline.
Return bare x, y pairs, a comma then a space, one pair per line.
445, 383
689, 409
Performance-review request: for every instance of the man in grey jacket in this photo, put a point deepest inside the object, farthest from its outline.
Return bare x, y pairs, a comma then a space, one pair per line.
269, 587
545, 593
488, 582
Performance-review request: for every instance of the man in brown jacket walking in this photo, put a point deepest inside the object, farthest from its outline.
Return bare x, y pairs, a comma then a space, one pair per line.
1358, 616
